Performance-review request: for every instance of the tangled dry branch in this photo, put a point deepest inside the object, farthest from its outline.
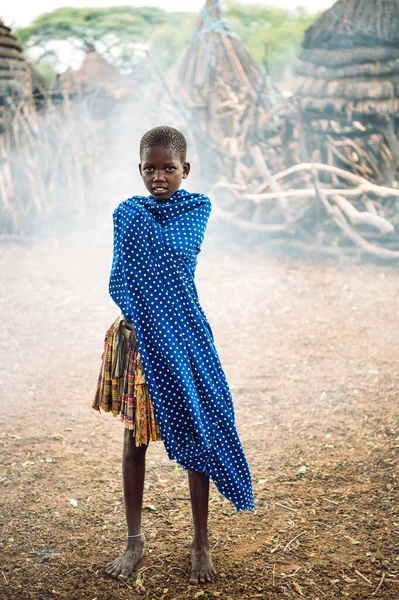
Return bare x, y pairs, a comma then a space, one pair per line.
318, 205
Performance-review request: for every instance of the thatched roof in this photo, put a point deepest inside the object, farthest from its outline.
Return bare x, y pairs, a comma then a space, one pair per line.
216, 54
356, 24
349, 66
95, 74
14, 78
66, 81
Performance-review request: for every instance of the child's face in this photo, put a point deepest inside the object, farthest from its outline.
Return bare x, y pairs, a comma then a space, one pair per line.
162, 171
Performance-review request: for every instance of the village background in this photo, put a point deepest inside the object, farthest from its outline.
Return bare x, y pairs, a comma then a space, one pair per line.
292, 119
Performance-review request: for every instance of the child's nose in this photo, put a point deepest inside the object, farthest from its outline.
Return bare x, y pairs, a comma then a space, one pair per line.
159, 176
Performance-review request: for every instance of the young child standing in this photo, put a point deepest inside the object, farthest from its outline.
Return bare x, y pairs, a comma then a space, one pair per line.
161, 372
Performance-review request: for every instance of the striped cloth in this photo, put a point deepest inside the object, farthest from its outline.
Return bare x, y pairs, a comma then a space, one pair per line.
121, 386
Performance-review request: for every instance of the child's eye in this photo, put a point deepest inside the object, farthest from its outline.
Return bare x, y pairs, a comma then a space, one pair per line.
170, 169
148, 169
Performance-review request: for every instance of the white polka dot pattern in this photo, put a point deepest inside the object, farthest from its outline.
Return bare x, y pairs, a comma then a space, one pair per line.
152, 281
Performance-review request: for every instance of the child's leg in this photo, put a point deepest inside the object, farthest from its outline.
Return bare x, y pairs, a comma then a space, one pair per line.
133, 468
202, 568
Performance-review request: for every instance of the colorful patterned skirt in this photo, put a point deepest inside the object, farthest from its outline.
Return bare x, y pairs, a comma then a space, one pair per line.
121, 387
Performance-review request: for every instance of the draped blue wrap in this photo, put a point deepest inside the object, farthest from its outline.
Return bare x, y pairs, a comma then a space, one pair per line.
152, 281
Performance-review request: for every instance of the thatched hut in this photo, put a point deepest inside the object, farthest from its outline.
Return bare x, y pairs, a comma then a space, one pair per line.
97, 73
349, 72
14, 76
95, 76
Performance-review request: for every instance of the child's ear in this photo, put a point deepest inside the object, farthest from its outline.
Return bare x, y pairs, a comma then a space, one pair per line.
186, 169
140, 169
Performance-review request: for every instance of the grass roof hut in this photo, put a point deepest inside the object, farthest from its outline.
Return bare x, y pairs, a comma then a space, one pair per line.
94, 74
16, 109
95, 78
14, 76
348, 83
66, 81
97, 73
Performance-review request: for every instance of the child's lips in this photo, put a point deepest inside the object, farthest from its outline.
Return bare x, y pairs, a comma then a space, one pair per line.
159, 190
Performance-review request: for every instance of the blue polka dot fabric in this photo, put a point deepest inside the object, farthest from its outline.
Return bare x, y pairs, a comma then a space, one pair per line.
152, 281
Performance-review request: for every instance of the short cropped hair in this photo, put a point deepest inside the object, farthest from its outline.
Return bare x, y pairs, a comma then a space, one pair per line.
165, 136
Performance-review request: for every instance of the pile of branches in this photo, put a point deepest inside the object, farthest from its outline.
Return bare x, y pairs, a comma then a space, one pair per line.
243, 129
48, 166
272, 174
371, 151
230, 100
315, 207
323, 194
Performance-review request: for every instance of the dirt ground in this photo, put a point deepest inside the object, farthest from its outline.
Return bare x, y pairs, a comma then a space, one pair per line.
310, 349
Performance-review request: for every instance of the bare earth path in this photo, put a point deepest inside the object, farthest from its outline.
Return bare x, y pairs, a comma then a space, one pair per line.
311, 351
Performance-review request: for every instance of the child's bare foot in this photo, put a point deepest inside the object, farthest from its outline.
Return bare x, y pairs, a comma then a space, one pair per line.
202, 570
124, 565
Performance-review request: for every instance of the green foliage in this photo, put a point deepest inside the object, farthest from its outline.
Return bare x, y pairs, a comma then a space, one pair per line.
88, 25
272, 35
116, 29
255, 15
168, 41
